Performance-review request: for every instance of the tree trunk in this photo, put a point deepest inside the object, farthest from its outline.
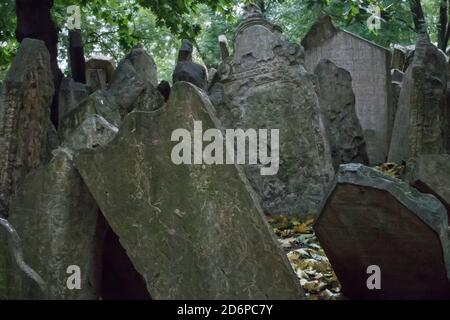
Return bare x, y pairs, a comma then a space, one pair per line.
76, 54
443, 21
418, 16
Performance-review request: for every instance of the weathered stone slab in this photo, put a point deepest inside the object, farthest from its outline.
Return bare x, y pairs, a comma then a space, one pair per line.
55, 216
99, 103
369, 66
93, 132
192, 231
264, 85
431, 174
135, 75
71, 93
371, 219
337, 103
131, 84
99, 72
421, 122
187, 70
25, 128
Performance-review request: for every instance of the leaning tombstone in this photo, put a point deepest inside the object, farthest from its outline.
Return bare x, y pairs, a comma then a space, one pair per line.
187, 70
337, 103
71, 93
384, 239
399, 58
211, 240
55, 216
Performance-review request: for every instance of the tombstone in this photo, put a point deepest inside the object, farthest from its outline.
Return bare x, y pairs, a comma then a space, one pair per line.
71, 93
371, 219
144, 65
92, 132
99, 72
399, 58
397, 75
187, 70
369, 65
55, 216
431, 174
421, 124
396, 87
210, 241
264, 86
26, 134
34, 21
76, 56
131, 83
337, 102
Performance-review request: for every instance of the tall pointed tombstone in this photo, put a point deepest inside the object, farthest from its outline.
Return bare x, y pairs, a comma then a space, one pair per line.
191, 231
421, 121
264, 85
26, 134
337, 102
55, 216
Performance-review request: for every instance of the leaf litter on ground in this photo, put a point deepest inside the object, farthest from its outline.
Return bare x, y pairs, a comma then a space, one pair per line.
307, 257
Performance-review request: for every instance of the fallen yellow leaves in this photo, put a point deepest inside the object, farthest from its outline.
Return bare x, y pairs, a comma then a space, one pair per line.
392, 169
306, 257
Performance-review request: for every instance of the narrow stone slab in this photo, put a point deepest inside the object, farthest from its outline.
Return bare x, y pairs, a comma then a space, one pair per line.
25, 127
421, 120
55, 216
93, 132
264, 85
337, 103
192, 231
369, 219
71, 93
99, 72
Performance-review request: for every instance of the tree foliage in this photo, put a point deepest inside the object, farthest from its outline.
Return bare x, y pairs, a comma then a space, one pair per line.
113, 27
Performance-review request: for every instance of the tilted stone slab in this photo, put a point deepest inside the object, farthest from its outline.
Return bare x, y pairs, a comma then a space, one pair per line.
370, 218
431, 174
134, 78
25, 129
71, 93
192, 231
99, 72
55, 216
370, 65
337, 103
